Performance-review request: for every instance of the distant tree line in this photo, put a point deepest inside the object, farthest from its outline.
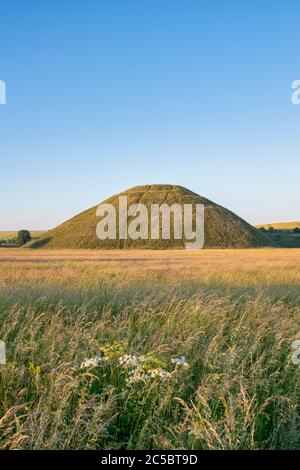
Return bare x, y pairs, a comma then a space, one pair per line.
9, 241
271, 229
23, 236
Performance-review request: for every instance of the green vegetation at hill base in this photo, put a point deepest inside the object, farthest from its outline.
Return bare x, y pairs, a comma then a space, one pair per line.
8, 238
284, 234
285, 239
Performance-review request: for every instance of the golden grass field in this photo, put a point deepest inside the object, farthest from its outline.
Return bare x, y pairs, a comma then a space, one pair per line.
7, 235
232, 314
281, 225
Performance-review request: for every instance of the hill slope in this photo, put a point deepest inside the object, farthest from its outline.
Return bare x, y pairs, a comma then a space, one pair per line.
222, 228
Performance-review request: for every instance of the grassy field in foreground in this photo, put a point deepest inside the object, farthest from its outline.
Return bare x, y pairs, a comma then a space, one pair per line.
187, 350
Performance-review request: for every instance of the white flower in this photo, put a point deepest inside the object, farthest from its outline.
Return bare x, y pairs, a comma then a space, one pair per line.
159, 373
134, 379
144, 359
92, 362
128, 360
180, 361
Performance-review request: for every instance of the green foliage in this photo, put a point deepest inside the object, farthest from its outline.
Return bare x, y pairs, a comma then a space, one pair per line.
285, 238
9, 238
23, 236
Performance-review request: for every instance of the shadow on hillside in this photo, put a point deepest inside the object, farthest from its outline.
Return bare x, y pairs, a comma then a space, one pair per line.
40, 243
283, 238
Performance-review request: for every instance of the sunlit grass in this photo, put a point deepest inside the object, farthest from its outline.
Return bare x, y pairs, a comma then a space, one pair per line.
232, 314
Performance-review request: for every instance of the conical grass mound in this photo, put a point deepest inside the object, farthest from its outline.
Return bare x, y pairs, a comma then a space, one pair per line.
223, 229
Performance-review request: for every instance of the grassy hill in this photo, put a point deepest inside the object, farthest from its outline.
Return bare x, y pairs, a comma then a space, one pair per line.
223, 228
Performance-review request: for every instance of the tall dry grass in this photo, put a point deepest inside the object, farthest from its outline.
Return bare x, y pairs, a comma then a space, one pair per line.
232, 314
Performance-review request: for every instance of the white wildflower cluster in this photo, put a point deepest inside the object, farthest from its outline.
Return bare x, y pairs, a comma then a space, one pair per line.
180, 361
93, 361
136, 367
139, 374
145, 368
139, 368
129, 361
163, 374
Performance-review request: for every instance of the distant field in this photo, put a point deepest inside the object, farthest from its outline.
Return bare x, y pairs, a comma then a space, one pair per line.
12, 235
208, 337
7, 235
283, 234
281, 225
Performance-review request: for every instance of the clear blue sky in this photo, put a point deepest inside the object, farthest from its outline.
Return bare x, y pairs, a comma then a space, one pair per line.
107, 94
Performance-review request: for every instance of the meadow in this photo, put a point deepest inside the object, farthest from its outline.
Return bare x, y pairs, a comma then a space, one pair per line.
9, 238
7, 235
149, 349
